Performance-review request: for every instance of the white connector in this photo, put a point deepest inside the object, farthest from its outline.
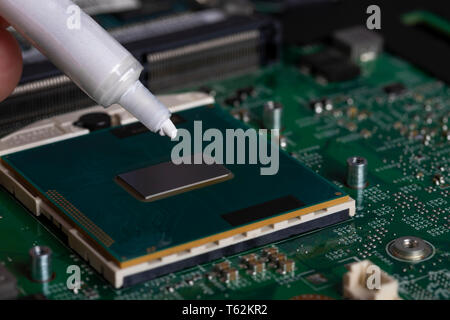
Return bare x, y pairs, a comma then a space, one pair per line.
366, 281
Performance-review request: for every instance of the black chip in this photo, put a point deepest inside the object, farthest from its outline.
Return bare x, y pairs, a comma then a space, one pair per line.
262, 210
332, 65
394, 88
316, 60
342, 71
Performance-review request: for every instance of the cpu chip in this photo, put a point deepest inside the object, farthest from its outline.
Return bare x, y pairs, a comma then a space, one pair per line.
180, 216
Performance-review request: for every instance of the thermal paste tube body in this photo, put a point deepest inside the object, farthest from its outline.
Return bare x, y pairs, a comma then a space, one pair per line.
83, 50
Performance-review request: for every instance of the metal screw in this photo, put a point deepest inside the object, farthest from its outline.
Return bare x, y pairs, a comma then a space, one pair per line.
357, 172
41, 263
410, 248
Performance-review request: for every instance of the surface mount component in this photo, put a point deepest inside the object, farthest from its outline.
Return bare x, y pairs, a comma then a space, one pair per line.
130, 241
94, 121
394, 89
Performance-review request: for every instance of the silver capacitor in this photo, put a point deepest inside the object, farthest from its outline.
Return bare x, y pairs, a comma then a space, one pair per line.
272, 117
41, 263
357, 172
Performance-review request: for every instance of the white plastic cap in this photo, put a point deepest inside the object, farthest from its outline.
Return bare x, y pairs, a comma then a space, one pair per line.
168, 129
139, 101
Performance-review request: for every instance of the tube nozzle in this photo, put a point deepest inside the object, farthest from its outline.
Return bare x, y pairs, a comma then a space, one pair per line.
139, 101
168, 129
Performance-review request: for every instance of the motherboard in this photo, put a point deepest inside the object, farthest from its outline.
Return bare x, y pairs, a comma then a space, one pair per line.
371, 123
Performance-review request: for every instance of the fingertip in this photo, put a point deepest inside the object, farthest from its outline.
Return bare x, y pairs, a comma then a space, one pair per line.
3, 23
10, 63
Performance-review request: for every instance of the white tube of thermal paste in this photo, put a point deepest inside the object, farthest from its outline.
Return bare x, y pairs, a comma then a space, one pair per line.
84, 51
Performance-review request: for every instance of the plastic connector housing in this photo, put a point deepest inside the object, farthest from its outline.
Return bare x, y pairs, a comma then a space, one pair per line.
360, 283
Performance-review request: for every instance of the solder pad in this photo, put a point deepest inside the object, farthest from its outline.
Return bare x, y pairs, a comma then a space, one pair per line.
77, 178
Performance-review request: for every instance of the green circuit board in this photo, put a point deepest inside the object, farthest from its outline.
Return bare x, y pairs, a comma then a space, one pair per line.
405, 139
